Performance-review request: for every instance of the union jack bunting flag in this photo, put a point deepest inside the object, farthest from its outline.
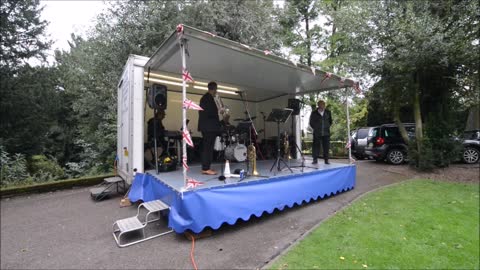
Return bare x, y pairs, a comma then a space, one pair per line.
348, 145
192, 183
188, 104
187, 138
184, 163
186, 76
356, 86
327, 76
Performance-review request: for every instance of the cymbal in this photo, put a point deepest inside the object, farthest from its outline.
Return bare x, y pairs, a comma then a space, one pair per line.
246, 119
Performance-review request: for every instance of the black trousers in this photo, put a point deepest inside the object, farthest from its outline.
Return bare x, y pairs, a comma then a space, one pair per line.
208, 142
325, 141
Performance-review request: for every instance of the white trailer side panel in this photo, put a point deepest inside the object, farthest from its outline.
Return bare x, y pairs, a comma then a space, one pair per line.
130, 118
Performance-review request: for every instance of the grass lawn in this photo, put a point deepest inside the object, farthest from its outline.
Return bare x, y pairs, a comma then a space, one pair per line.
419, 224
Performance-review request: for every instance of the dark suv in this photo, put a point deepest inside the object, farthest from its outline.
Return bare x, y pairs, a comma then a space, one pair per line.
386, 143
471, 146
359, 142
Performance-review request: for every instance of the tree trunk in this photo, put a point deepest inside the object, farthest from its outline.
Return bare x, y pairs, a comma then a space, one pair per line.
396, 118
418, 123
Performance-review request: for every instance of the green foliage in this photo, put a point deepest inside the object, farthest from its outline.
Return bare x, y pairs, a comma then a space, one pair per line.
22, 32
13, 168
415, 225
43, 168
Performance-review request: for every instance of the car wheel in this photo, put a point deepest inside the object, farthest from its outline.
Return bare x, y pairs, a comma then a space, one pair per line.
395, 156
471, 155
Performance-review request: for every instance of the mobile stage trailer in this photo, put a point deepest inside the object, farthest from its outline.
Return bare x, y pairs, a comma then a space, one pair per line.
266, 81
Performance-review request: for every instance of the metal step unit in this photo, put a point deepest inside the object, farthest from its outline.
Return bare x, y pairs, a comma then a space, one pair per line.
131, 224
109, 186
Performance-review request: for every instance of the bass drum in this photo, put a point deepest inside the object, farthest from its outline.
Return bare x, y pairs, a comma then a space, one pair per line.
236, 152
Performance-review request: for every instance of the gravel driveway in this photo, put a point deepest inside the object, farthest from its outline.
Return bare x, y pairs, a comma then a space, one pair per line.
67, 230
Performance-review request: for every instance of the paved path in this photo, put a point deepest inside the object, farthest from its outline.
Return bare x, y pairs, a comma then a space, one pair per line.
67, 230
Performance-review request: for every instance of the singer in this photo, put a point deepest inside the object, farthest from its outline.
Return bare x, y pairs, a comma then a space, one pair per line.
209, 126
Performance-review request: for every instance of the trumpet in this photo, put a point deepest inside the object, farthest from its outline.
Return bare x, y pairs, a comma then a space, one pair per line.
223, 110
252, 158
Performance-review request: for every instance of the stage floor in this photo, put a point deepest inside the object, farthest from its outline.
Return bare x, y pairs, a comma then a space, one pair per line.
174, 179
217, 202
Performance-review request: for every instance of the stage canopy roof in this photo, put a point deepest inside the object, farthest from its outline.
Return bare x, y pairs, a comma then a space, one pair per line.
260, 74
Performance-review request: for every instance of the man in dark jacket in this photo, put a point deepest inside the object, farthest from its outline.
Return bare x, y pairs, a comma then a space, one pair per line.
209, 125
320, 121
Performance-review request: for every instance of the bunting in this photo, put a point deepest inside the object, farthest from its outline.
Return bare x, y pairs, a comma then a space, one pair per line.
188, 104
326, 77
187, 138
192, 183
356, 86
184, 163
186, 76
348, 145
179, 31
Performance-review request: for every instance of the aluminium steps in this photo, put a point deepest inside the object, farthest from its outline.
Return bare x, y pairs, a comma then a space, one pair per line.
131, 224
106, 188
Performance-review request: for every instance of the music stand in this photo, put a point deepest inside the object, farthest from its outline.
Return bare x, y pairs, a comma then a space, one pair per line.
279, 116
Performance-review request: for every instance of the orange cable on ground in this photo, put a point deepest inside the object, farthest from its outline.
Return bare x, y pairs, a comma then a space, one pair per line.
192, 258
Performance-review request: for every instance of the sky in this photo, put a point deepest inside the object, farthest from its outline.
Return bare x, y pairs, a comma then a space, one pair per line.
66, 17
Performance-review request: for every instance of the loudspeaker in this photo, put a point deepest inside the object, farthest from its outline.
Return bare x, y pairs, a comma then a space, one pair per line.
157, 97
294, 104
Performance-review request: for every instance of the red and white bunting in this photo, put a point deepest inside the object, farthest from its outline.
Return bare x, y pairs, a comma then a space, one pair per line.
179, 31
348, 145
186, 76
187, 138
184, 163
192, 183
356, 86
188, 104
326, 77
313, 70
267, 52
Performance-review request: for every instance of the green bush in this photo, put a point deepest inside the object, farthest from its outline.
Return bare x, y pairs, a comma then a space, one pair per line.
13, 169
44, 169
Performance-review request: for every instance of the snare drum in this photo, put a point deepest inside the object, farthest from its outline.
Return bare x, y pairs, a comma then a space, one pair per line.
236, 152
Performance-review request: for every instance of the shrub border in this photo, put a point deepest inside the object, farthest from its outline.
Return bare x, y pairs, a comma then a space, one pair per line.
57, 185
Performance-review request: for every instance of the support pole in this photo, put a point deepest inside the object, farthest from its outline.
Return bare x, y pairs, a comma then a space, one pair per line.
348, 129
184, 112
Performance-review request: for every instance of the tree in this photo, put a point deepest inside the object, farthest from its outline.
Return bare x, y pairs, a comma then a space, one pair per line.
27, 94
23, 33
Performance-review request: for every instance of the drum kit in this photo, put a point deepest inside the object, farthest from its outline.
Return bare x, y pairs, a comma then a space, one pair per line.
234, 140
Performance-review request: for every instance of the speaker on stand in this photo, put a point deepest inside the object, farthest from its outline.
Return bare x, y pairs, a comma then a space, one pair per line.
157, 100
157, 97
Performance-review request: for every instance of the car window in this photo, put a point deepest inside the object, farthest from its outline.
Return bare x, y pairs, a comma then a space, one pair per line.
362, 133
410, 132
373, 132
391, 132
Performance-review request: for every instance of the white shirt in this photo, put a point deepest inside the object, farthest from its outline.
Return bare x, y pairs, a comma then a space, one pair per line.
321, 112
